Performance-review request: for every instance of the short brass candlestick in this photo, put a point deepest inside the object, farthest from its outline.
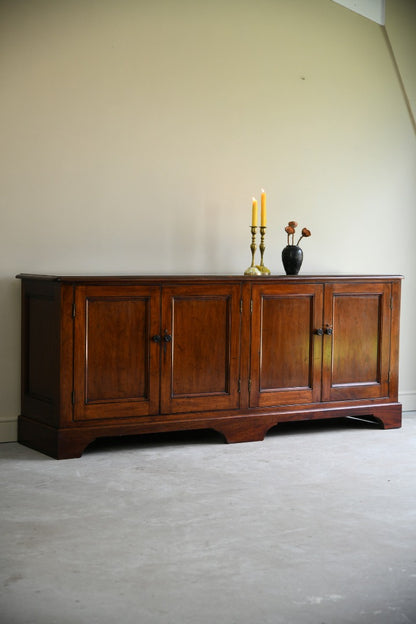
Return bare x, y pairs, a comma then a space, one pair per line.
253, 270
263, 269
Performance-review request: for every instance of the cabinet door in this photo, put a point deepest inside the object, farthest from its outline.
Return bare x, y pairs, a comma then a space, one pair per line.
357, 352
285, 350
200, 348
116, 364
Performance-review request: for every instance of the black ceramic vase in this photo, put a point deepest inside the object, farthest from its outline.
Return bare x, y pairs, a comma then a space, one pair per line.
292, 258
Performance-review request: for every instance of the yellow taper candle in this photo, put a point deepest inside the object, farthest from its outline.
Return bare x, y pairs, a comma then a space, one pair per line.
263, 209
254, 213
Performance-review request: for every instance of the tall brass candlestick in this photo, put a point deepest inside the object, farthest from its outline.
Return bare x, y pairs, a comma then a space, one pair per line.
252, 270
263, 269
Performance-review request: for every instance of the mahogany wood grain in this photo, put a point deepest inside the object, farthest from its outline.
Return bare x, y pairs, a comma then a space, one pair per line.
105, 356
357, 353
40, 351
116, 364
286, 351
200, 361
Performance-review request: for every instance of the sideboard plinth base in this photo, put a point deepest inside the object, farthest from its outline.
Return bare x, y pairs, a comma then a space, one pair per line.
68, 443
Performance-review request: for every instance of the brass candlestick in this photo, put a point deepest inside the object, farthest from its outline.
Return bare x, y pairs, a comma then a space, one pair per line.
263, 269
253, 270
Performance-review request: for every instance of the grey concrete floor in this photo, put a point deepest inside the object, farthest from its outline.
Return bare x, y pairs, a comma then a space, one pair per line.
315, 525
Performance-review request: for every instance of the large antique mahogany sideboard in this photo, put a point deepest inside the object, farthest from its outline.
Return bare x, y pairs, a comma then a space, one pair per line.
109, 356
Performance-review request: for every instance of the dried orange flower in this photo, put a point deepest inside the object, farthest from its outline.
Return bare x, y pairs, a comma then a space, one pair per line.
290, 231
305, 234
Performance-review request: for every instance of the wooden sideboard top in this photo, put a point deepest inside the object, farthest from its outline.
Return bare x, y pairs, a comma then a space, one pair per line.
168, 278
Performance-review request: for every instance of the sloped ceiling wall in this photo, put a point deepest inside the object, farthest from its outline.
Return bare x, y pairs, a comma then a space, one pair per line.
373, 9
401, 32
399, 19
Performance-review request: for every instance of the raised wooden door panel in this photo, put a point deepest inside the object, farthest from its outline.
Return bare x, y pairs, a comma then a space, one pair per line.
356, 341
116, 366
200, 348
285, 348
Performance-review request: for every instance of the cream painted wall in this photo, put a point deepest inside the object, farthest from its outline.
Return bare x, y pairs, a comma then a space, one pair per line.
134, 133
